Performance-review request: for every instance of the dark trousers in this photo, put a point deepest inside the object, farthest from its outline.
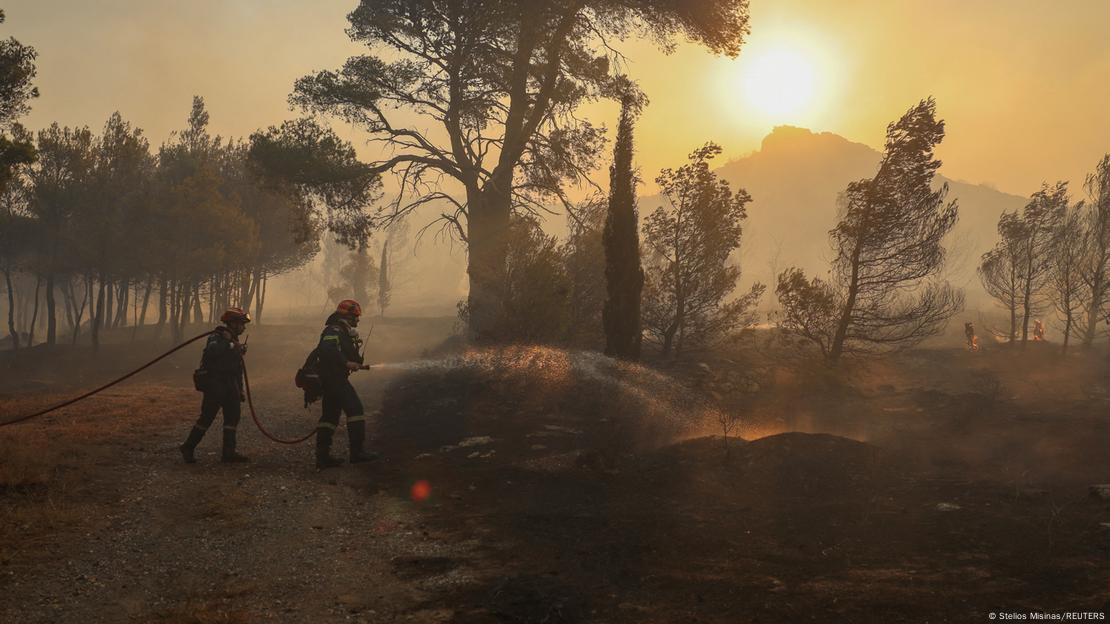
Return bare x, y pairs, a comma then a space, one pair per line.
222, 395
339, 397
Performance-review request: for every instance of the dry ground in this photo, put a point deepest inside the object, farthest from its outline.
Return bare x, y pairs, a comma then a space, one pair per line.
561, 487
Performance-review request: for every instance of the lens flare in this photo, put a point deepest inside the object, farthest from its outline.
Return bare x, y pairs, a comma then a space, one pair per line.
421, 490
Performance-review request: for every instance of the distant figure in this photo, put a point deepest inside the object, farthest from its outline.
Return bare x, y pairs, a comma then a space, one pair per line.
220, 378
1038, 330
972, 339
340, 354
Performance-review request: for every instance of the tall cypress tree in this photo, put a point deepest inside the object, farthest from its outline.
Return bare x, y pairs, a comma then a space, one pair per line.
624, 276
385, 286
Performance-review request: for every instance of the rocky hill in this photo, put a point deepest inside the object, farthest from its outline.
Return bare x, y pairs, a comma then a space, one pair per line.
794, 180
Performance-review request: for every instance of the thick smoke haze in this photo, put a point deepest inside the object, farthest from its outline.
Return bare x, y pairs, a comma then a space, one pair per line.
1022, 85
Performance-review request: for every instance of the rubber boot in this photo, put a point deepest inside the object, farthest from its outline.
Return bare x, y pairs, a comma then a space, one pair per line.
190, 445
324, 457
229, 456
356, 431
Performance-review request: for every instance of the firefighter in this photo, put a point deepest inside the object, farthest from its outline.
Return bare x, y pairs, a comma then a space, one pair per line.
1038, 330
972, 340
340, 354
220, 377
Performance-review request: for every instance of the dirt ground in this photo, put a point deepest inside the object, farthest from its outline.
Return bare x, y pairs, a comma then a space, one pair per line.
530, 485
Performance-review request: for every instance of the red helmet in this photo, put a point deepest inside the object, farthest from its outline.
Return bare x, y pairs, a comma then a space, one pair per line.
235, 315
349, 307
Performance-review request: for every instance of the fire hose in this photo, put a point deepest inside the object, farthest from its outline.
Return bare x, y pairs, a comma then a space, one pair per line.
246, 384
258, 423
105, 386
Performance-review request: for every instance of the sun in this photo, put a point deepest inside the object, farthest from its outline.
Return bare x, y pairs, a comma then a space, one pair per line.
779, 83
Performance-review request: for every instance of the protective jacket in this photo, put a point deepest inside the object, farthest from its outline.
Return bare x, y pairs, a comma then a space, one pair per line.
222, 357
339, 344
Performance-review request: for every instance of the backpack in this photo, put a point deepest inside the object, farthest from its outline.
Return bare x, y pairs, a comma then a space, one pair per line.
201, 378
308, 379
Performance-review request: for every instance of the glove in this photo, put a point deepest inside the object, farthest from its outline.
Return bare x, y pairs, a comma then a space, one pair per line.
353, 366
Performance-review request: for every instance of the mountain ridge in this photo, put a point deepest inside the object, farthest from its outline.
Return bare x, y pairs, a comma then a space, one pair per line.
794, 180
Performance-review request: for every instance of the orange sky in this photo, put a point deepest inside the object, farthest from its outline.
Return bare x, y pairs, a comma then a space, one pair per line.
1022, 83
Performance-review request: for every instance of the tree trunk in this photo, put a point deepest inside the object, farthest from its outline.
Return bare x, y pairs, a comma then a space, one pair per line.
678, 329
98, 314
487, 238
146, 302
261, 299
215, 298
668, 338
11, 309
1094, 310
109, 306
1025, 313
34, 313
180, 310
69, 304
122, 301
252, 285
198, 310
140, 317
680, 340
1027, 300
163, 302
836, 347
51, 312
79, 313
23, 305
1067, 331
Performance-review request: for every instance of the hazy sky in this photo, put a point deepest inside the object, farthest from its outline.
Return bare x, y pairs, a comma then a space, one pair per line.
1022, 83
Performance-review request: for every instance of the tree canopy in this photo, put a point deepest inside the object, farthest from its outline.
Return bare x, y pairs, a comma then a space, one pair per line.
889, 252
495, 85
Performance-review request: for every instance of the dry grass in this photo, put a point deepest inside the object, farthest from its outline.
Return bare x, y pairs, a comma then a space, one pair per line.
55, 472
40, 482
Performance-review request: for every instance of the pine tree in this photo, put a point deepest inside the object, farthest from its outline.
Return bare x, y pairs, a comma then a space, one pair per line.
690, 279
623, 274
885, 289
1095, 268
504, 75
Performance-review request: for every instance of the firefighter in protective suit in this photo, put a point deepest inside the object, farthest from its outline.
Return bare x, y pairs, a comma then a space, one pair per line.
221, 368
340, 354
972, 339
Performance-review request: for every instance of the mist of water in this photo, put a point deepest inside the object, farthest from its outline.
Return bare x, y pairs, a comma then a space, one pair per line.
658, 396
